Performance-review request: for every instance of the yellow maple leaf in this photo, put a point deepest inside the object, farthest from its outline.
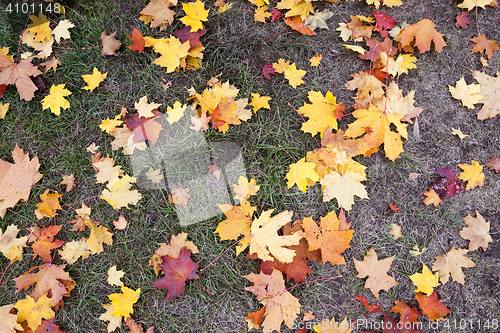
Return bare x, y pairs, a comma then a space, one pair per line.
55, 100
259, 102
195, 13
265, 241
237, 223
395, 102
4, 107
401, 65
343, 187
119, 194
473, 174
459, 133
98, 235
172, 51
145, 109
175, 112
123, 303
321, 113
330, 326
368, 86
303, 174
392, 3
294, 75
93, 80
452, 263
490, 90
376, 124
245, 188
467, 94
301, 7
49, 205
40, 28
33, 312
470, 4
114, 276
281, 65
316, 60
10, 246
425, 281
109, 125
261, 14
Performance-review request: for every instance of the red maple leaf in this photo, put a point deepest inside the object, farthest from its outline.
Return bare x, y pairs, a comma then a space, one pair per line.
276, 14
177, 271
193, 37
369, 307
297, 269
431, 306
138, 41
268, 70
463, 20
384, 23
377, 47
45, 242
448, 183
3, 87
144, 128
48, 326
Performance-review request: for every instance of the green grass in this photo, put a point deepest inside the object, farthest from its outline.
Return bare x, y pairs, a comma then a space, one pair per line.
270, 141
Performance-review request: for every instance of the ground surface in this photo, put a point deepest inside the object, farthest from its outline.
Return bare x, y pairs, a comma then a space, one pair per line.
270, 141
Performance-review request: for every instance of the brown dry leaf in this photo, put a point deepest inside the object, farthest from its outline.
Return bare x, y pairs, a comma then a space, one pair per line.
396, 231
121, 223
452, 263
51, 64
136, 327
69, 181
109, 43
368, 86
494, 163
160, 12
281, 305
477, 232
490, 90
376, 271
481, 43
180, 196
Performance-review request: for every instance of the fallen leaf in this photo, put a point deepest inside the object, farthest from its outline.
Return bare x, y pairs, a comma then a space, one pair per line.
494, 163
114, 321
51, 64
33, 311
473, 174
451, 264
490, 90
330, 326
98, 235
481, 43
138, 40
477, 231
448, 183
376, 271
298, 24
171, 250
425, 281
10, 245
318, 20
395, 231
8, 320
93, 80
408, 314
19, 74
121, 223
423, 32
467, 94
459, 133
432, 198
195, 14
245, 188
259, 102
123, 303
61, 31
172, 50
294, 75
431, 306
69, 181
72, 251
470, 4
463, 20
261, 14
280, 305
303, 174
136, 327
55, 100
177, 272
114, 276
181, 196
109, 43
119, 195
369, 307
160, 12
237, 223
48, 206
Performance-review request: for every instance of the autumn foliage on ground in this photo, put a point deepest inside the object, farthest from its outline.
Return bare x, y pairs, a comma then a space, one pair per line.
380, 115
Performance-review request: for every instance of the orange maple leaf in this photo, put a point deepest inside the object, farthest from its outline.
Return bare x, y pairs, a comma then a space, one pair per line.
49, 278
138, 40
45, 242
49, 205
328, 237
481, 43
297, 24
423, 32
431, 306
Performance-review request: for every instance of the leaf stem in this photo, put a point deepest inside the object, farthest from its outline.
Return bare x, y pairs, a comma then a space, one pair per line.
20, 39
276, 34
194, 284
327, 278
220, 255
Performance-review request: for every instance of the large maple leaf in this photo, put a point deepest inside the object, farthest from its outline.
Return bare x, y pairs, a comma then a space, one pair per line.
328, 237
281, 305
379, 124
477, 231
321, 113
160, 11
17, 179
423, 32
50, 278
33, 311
376, 271
490, 90
452, 263
431, 306
123, 303
19, 74
265, 241
177, 271
172, 250
239, 219
46, 242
